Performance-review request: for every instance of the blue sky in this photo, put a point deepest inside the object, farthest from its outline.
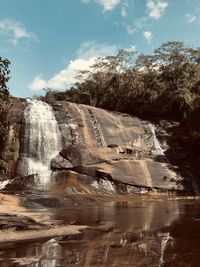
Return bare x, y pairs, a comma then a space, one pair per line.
48, 40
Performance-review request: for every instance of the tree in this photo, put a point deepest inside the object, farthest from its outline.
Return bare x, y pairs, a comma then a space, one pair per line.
115, 69
179, 71
163, 85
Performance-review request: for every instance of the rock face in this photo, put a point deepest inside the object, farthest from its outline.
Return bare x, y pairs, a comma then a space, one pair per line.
113, 147
105, 150
15, 118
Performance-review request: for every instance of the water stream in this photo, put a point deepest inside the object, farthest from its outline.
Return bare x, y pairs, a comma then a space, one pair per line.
42, 140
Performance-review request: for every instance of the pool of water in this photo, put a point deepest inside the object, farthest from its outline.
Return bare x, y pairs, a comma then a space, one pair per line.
142, 232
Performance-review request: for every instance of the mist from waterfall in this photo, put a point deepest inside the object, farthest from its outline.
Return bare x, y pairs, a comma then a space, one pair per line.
42, 140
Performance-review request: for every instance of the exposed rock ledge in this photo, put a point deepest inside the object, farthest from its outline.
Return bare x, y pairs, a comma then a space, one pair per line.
105, 145
111, 146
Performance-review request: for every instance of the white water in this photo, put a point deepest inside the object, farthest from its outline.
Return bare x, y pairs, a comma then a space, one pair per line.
42, 140
165, 237
4, 183
104, 185
156, 144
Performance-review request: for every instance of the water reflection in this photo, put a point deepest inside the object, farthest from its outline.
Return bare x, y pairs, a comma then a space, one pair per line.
136, 216
165, 237
51, 250
123, 234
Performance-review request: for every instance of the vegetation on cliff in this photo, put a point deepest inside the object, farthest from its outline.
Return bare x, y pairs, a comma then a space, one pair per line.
4, 107
163, 85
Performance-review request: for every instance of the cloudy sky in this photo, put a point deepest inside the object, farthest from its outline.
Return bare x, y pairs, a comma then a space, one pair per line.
48, 40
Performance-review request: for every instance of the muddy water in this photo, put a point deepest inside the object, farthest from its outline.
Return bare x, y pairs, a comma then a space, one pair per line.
142, 232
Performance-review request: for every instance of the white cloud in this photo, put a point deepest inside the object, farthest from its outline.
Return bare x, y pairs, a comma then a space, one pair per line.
64, 78
124, 9
14, 31
123, 12
190, 18
138, 25
86, 56
107, 4
148, 35
92, 49
130, 29
156, 8
38, 83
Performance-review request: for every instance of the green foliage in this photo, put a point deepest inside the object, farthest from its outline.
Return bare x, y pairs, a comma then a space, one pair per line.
163, 85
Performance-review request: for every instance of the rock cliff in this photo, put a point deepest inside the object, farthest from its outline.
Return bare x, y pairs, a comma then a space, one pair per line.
102, 151
120, 152
11, 154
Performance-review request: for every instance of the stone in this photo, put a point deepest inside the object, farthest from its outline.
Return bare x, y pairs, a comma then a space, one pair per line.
19, 222
60, 163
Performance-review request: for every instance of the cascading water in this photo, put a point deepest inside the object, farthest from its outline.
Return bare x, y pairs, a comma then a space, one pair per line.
156, 144
42, 141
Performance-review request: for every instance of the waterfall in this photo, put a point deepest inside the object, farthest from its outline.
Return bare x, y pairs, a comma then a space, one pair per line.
156, 144
42, 141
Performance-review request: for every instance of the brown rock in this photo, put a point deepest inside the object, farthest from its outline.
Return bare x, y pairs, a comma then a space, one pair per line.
60, 163
113, 145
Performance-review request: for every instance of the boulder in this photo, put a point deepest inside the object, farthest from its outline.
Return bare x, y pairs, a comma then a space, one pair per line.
60, 163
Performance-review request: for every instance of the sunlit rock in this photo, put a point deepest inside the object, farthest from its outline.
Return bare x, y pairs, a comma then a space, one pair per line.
107, 144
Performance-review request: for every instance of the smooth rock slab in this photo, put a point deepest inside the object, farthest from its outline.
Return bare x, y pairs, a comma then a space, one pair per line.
113, 145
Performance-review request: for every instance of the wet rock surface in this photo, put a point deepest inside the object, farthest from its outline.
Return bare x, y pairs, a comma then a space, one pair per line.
18, 222
21, 183
104, 144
